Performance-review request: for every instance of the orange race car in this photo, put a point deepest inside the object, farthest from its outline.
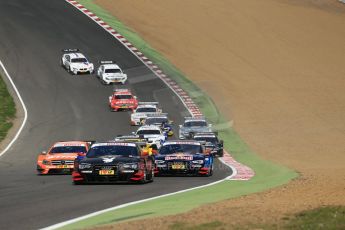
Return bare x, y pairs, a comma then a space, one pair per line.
122, 99
60, 157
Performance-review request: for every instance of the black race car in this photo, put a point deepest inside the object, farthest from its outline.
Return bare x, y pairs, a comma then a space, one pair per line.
183, 157
110, 162
212, 143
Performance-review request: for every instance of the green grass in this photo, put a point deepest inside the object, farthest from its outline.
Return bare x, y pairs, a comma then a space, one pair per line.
323, 218
7, 110
268, 175
330, 217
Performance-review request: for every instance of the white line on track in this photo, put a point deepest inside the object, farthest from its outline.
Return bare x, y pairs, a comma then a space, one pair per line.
24, 108
62, 224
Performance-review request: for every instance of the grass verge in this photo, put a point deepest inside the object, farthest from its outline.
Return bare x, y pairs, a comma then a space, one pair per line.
330, 217
7, 110
268, 175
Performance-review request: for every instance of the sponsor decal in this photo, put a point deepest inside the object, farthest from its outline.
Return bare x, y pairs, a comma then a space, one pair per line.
114, 144
179, 157
108, 159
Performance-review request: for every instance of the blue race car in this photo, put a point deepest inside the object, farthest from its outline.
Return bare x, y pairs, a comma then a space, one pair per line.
183, 157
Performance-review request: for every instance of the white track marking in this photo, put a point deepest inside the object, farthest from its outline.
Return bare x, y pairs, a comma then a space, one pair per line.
24, 108
62, 224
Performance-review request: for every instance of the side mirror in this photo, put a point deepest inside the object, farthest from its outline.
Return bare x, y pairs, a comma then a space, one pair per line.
180, 126
133, 133
81, 154
44, 153
110, 98
135, 97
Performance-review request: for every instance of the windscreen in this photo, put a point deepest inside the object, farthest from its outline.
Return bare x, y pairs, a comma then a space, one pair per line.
146, 110
195, 123
180, 148
112, 71
68, 149
99, 151
124, 96
207, 139
148, 132
158, 120
79, 60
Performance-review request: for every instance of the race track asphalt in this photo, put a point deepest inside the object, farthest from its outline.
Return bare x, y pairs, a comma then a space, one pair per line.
65, 107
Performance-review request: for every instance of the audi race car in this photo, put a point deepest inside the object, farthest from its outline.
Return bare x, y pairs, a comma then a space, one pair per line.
183, 157
153, 134
212, 143
141, 112
60, 157
112, 162
76, 62
193, 125
160, 120
122, 99
109, 72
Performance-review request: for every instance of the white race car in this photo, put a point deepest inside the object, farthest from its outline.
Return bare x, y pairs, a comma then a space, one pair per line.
109, 72
153, 134
76, 62
143, 109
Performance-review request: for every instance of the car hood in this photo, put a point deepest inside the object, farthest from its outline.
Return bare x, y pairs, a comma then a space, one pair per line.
110, 160
61, 156
113, 75
81, 65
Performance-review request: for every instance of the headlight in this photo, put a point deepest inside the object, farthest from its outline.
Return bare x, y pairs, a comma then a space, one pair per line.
130, 166
46, 162
198, 162
159, 161
84, 166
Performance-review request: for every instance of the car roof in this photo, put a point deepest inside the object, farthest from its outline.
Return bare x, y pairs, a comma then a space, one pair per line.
114, 143
149, 127
70, 143
182, 142
146, 106
76, 55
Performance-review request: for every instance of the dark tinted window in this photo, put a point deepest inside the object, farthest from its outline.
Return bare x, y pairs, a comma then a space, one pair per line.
123, 97
195, 123
158, 120
180, 148
68, 149
112, 71
79, 60
99, 151
146, 110
148, 132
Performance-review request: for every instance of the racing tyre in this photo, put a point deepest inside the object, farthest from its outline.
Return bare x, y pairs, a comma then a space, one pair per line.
78, 182
151, 176
210, 172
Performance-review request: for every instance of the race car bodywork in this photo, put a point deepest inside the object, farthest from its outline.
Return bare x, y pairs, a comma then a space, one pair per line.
141, 112
160, 120
183, 157
76, 62
153, 134
60, 157
112, 162
109, 72
193, 125
212, 143
122, 99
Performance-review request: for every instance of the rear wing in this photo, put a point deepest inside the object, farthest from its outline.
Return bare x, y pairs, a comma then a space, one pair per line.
148, 103
195, 118
157, 115
107, 62
121, 90
70, 50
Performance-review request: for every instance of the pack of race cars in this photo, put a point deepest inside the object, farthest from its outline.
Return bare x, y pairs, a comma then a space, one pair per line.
137, 157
